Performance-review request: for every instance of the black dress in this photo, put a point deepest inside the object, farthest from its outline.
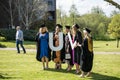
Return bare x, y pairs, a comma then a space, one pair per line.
87, 56
68, 46
77, 51
37, 39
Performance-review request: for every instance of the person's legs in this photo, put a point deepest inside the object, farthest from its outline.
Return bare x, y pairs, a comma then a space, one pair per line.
77, 68
70, 64
83, 74
17, 45
46, 59
88, 74
21, 43
69, 68
60, 66
67, 64
55, 65
43, 61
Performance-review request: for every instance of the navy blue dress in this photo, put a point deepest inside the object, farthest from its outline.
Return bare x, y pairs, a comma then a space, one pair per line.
44, 45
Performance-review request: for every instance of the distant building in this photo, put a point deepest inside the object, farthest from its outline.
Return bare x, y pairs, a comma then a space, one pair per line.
51, 9
51, 14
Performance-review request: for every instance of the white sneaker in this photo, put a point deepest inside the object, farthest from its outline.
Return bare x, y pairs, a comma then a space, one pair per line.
82, 76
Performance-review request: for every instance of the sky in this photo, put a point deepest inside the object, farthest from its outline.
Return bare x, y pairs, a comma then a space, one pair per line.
84, 6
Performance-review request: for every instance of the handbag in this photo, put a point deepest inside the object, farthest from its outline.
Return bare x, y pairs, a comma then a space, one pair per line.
67, 56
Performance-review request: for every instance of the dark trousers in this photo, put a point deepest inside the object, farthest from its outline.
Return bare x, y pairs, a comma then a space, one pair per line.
21, 44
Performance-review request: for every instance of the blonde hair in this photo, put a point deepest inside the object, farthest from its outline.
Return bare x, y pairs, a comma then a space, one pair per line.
46, 29
18, 27
40, 29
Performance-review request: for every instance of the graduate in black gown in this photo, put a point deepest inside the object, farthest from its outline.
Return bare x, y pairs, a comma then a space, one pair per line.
68, 49
76, 52
87, 56
43, 50
58, 56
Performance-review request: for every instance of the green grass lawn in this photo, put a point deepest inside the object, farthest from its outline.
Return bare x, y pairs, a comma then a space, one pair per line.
98, 45
15, 66
12, 44
106, 46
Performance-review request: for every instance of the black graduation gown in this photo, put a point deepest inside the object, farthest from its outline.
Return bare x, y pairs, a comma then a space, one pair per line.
67, 43
38, 48
77, 50
62, 51
87, 57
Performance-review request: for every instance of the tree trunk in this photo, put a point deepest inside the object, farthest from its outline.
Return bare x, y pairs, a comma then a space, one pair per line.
11, 15
73, 19
117, 42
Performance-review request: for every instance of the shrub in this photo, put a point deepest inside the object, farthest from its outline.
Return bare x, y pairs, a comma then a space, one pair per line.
2, 46
2, 38
9, 34
29, 35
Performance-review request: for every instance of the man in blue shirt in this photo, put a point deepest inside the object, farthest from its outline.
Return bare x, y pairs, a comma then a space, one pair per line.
19, 39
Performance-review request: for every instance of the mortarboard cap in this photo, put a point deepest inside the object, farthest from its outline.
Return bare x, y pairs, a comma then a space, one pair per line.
88, 30
43, 25
68, 27
60, 26
77, 26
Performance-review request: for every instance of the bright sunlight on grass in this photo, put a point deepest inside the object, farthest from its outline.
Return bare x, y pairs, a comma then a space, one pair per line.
101, 46
106, 46
15, 66
12, 44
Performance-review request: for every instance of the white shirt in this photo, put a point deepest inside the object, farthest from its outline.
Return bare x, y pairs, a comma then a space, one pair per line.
19, 35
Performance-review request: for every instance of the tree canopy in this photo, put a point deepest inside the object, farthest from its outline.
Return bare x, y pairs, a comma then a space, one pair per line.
114, 26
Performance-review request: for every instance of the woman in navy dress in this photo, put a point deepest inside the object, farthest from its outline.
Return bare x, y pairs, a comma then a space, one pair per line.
43, 51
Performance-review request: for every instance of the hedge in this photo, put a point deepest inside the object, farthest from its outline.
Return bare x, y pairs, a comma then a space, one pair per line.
9, 34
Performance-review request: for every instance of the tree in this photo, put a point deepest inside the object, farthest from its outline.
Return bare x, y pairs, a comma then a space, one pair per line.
114, 28
73, 13
10, 9
59, 15
98, 23
30, 11
12, 12
114, 12
117, 5
97, 10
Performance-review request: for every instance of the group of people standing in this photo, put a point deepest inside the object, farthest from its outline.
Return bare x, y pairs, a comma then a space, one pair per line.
76, 51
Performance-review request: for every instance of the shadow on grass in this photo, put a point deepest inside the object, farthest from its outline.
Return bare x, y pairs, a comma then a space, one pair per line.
61, 70
5, 76
95, 76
